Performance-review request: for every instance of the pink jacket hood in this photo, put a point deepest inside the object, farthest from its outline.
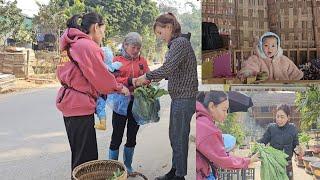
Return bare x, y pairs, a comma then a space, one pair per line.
71, 36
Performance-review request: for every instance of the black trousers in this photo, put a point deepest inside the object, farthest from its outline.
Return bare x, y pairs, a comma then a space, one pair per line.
82, 139
289, 169
119, 123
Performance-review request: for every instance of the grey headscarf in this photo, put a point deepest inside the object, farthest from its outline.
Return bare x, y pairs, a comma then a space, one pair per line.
132, 38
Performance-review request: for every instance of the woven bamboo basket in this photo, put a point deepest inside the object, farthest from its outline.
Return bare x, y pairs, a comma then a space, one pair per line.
99, 170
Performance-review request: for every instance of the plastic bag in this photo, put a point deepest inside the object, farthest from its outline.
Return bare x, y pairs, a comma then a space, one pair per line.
211, 177
146, 105
118, 103
145, 110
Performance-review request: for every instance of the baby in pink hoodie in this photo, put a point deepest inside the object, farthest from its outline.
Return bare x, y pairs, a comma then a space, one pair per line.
269, 61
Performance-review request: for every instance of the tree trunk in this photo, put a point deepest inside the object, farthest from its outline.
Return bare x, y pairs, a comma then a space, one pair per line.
4, 44
58, 42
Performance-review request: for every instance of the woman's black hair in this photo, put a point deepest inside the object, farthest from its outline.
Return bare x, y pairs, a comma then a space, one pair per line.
86, 21
285, 108
200, 96
216, 97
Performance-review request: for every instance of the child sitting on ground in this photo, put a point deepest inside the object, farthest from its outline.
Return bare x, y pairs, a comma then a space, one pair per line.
269, 63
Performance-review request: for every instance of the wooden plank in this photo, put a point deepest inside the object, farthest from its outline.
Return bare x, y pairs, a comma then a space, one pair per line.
2, 76
6, 81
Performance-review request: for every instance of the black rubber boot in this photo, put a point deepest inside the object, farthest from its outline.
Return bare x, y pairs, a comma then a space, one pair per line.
169, 176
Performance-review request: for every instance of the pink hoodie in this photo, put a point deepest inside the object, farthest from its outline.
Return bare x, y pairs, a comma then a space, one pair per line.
95, 80
279, 67
210, 143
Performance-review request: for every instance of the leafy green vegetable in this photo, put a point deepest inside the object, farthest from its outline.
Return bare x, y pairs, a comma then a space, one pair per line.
116, 174
273, 162
151, 92
146, 105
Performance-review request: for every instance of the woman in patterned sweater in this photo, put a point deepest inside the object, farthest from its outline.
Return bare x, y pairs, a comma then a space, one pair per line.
180, 68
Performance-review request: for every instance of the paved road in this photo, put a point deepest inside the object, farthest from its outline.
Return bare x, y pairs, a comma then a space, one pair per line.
32, 135
34, 143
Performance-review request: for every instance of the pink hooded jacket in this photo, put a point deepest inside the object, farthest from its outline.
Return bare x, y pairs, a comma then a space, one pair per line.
209, 142
93, 79
279, 67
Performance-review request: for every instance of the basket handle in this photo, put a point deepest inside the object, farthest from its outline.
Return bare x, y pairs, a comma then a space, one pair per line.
134, 174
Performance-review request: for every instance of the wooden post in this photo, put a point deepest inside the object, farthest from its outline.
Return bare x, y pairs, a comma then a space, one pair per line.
235, 62
237, 24
315, 26
298, 57
28, 54
241, 56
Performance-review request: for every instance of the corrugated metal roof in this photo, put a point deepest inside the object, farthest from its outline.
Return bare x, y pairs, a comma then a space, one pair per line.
271, 98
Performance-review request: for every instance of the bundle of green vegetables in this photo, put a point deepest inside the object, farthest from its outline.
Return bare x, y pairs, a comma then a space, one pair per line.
150, 92
146, 105
273, 162
116, 175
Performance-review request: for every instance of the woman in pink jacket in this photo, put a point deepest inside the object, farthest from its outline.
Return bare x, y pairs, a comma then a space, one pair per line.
83, 79
213, 106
